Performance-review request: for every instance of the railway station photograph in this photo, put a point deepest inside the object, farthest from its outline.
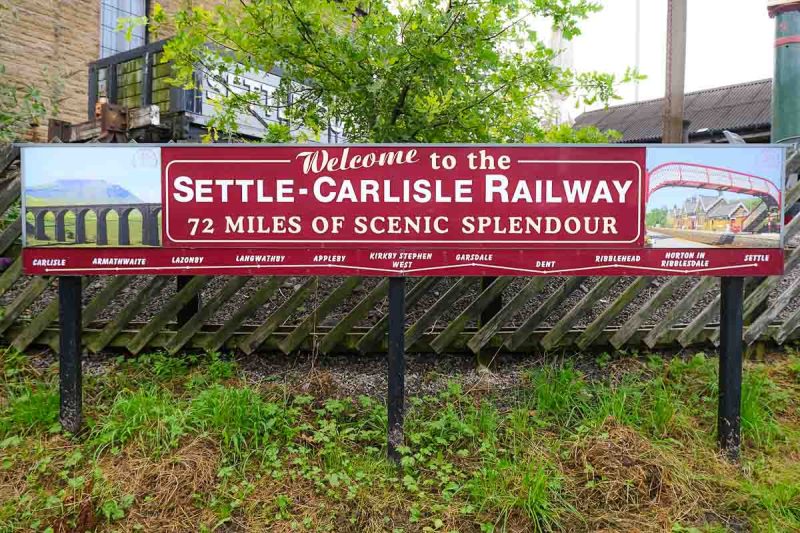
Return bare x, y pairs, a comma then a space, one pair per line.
692, 197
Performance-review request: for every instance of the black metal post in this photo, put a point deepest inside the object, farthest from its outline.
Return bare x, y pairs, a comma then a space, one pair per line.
396, 367
730, 366
191, 307
69, 365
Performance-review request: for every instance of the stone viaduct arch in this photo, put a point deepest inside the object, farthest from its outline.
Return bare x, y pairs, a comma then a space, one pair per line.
151, 236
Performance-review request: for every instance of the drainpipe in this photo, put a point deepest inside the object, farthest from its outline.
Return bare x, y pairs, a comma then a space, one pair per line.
785, 101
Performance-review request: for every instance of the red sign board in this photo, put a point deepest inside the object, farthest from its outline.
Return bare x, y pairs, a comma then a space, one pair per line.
402, 210
404, 196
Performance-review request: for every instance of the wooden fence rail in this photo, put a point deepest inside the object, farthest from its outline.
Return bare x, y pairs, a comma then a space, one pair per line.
349, 315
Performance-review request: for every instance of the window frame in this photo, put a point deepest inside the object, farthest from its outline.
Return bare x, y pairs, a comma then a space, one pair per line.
108, 51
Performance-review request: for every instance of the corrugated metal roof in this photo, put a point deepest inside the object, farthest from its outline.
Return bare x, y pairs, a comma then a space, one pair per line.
741, 107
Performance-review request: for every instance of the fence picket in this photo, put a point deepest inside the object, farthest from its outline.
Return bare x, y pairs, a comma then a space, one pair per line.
252, 304
10, 194
40, 322
630, 326
472, 311
679, 310
605, 318
167, 313
250, 343
23, 300
10, 275
488, 330
456, 291
759, 326
753, 300
378, 332
123, 318
10, 234
516, 339
692, 330
788, 327
359, 311
104, 297
36, 326
293, 340
557, 332
210, 307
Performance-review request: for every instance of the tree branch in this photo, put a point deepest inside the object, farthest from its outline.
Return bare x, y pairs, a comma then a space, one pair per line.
401, 102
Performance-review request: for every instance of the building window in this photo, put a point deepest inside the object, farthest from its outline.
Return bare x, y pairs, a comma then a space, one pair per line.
113, 41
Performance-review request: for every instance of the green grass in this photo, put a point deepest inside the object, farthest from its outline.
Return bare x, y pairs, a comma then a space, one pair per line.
240, 418
30, 409
148, 416
190, 443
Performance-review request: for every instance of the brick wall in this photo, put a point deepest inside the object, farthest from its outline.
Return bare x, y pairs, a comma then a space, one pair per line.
49, 43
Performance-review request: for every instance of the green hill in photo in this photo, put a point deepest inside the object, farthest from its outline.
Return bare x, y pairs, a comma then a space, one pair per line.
79, 192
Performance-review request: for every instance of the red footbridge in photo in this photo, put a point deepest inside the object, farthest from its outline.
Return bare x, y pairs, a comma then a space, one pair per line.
713, 178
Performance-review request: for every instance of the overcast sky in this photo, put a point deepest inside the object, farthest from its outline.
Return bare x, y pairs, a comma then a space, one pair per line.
728, 41
137, 169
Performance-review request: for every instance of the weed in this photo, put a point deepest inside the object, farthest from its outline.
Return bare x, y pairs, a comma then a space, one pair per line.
558, 392
219, 369
162, 366
12, 363
240, 417
779, 502
761, 399
794, 367
511, 490
603, 359
663, 409
113, 510
30, 409
149, 415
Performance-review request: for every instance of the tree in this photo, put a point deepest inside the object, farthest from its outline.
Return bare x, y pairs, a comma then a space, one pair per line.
391, 71
752, 203
657, 217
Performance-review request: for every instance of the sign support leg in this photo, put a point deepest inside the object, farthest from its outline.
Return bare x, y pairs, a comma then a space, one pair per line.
730, 366
396, 367
69, 365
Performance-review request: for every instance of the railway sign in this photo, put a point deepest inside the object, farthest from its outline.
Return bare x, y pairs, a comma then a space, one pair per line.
403, 210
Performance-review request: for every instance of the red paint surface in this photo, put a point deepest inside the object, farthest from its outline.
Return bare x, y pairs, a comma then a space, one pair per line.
791, 39
553, 165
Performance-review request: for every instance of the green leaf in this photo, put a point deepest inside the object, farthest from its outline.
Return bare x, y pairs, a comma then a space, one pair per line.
405, 72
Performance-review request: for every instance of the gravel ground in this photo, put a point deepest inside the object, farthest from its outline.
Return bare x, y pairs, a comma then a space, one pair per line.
426, 374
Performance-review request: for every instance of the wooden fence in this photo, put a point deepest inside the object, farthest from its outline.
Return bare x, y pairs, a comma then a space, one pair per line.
349, 315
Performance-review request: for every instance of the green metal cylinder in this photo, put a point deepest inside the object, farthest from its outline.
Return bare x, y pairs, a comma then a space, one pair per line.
786, 82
